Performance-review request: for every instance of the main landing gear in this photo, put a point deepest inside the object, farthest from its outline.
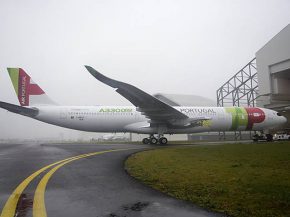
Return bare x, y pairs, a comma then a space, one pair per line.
153, 140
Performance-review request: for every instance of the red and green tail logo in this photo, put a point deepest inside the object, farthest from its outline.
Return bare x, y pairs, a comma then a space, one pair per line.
24, 86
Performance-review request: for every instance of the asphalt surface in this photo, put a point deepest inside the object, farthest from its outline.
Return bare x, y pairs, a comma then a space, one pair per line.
95, 185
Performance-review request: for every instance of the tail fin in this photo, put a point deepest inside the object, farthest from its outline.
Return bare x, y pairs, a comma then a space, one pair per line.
27, 91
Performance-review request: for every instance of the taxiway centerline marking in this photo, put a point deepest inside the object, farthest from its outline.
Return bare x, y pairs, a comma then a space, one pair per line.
9, 208
11, 204
39, 209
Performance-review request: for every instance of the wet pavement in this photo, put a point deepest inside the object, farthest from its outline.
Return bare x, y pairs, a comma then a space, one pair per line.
94, 186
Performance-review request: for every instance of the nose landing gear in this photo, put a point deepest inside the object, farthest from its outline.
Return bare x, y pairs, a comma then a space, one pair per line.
146, 141
153, 140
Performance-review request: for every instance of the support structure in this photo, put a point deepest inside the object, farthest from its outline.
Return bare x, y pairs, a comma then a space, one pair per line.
240, 90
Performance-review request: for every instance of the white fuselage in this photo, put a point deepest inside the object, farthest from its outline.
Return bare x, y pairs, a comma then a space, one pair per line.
128, 119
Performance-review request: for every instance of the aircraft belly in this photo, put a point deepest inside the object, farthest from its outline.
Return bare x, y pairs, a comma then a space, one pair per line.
92, 124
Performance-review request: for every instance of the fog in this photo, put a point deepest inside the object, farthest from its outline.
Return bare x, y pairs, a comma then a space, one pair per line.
167, 46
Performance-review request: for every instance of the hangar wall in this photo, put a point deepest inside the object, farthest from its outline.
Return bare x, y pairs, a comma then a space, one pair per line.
273, 67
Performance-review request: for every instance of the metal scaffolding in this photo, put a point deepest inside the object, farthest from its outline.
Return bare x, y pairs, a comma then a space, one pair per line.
239, 90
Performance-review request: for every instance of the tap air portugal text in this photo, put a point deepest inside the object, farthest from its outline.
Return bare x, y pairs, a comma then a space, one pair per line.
149, 115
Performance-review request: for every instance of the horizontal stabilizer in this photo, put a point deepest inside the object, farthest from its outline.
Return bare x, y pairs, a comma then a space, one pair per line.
30, 112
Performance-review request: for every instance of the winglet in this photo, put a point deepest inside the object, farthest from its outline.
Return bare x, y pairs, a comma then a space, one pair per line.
102, 78
95, 73
91, 70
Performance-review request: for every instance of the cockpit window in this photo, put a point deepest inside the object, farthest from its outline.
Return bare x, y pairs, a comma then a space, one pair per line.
279, 114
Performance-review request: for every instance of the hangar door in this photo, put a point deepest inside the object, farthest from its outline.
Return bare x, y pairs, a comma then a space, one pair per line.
280, 80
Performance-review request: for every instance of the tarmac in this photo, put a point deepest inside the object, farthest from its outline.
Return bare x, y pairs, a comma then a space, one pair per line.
73, 180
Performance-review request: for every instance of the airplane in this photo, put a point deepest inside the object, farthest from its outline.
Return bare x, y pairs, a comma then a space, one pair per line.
149, 115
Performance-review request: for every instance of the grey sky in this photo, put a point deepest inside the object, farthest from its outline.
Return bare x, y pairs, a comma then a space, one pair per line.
170, 46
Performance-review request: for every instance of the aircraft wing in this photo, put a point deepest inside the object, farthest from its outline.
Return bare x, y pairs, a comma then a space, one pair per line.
157, 111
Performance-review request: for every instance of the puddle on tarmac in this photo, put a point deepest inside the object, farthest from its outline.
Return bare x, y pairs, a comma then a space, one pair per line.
130, 210
24, 205
137, 206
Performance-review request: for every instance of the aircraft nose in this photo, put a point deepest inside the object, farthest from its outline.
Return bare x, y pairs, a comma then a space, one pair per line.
283, 120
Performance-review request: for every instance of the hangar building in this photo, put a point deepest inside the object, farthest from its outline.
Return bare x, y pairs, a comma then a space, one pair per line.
184, 100
273, 67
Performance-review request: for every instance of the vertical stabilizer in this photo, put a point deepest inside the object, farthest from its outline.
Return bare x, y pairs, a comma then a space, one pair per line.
28, 92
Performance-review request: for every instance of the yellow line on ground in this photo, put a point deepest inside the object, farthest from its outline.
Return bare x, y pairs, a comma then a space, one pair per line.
39, 209
9, 208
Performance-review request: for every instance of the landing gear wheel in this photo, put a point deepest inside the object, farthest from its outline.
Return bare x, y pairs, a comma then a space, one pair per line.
269, 137
145, 141
153, 140
163, 140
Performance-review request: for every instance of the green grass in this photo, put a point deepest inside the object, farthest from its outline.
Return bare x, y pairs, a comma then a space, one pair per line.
236, 179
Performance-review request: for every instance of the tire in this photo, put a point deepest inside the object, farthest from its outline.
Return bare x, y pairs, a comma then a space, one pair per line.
269, 137
145, 141
255, 138
163, 141
153, 141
